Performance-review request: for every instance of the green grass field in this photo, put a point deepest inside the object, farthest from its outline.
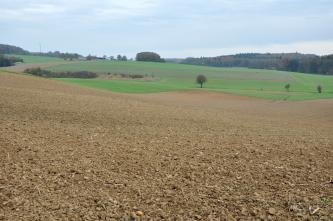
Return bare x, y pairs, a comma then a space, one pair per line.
30, 59
267, 84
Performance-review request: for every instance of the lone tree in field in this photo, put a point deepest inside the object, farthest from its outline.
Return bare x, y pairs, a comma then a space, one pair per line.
201, 79
319, 89
287, 87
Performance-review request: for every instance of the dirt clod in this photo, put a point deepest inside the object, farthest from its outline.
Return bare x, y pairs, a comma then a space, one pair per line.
272, 211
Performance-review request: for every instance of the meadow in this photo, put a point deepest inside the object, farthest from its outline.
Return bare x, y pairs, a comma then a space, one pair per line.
30, 59
267, 84
162, 77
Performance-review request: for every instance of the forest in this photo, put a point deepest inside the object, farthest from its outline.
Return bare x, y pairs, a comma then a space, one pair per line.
295, 62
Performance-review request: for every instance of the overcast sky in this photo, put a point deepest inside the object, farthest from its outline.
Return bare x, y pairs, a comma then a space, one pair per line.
169, 27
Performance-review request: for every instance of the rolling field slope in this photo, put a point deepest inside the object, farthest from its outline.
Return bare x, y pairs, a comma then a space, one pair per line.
75, 153
162, 77
250, 82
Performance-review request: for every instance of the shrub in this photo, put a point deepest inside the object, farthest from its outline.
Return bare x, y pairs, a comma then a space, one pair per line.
137, 76
49, 74
9, 61
319, 89
15, 59
287, 87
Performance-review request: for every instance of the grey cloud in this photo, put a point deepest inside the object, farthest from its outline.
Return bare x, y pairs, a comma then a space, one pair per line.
126, 26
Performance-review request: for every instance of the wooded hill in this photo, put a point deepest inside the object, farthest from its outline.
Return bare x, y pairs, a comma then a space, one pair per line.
296, 62
10, 49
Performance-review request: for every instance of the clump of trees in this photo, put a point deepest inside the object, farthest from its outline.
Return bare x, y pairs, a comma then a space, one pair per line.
93, 57
296, 62
149, 56
121, 58
201, 79
9, 61
58, 54
50, 74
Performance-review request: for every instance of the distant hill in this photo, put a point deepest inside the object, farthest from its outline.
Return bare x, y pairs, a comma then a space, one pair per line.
10, 49
296, 62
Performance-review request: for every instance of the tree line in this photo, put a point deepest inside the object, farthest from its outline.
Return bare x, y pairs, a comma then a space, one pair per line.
142, 56
58, 54
295, 62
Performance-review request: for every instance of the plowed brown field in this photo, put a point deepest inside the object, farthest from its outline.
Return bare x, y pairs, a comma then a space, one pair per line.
71, 153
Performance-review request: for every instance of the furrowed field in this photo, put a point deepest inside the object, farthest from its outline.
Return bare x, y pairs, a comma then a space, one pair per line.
152, 110
69, 152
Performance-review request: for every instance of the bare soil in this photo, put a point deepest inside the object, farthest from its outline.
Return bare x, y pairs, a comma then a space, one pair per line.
71, 153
